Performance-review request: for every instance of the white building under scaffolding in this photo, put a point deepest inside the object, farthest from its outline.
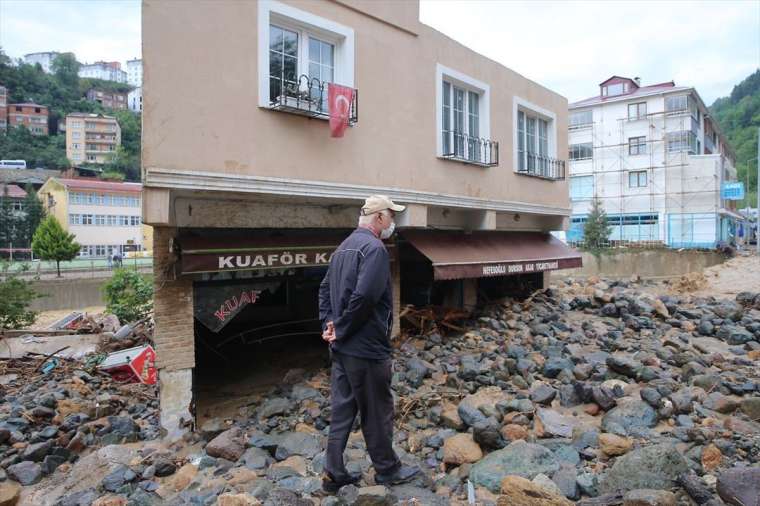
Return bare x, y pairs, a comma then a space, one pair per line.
657, 162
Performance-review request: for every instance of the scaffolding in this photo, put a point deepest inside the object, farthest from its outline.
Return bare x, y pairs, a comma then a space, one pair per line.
680, 191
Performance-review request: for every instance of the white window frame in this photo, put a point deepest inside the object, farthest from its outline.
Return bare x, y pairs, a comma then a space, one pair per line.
531, 109
286, 16
578, 178
467, 83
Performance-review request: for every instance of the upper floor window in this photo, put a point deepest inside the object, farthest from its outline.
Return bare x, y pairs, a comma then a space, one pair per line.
581, 187
637, 179
637, 111
583, 151
532, 140
535, 137
461, 122
581, 119
682, 141
614, 89
637, 146
299, 54
463, 118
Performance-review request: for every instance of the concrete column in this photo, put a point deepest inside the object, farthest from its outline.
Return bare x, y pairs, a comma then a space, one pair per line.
173, 336
546, 278
396, 284
470, 293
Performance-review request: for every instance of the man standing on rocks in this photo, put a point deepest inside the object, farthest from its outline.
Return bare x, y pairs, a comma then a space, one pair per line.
356, 310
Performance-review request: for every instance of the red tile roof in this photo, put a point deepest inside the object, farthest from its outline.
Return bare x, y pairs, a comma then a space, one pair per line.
638, 92
96, 184
14, 191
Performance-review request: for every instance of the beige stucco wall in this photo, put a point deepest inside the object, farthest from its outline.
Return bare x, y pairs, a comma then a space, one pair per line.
201, 113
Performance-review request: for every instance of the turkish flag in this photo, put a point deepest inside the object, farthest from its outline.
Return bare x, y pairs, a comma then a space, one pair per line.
339, 106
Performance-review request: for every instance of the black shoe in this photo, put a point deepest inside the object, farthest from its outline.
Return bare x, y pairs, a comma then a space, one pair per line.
402, 475
331, 485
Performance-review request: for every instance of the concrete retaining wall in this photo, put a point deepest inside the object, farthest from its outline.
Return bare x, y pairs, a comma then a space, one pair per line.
645, 263
71, 294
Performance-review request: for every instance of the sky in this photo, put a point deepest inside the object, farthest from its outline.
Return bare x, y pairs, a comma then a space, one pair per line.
568, 46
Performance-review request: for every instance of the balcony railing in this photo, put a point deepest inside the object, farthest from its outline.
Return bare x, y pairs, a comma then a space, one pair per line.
307, 97
542, 166
467, 149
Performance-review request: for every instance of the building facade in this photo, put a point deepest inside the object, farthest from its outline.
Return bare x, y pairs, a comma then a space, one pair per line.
134, 100
105, 216
110, 99
3, 109
134, 72
656, 160
251, 193
45, 59
108, 71
91, 138
32, 116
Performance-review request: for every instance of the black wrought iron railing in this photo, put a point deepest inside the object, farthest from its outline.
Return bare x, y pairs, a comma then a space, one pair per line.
536, 165
468, 149
308, 96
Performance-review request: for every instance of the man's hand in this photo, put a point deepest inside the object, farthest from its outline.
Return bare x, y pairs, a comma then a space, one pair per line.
329, 333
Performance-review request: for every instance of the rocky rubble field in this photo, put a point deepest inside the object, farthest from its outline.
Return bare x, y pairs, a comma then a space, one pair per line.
594, 393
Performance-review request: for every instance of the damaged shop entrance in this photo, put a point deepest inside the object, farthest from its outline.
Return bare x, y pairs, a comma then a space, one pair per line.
255, 311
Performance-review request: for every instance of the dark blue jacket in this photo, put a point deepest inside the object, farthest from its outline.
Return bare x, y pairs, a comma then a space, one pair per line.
356, 295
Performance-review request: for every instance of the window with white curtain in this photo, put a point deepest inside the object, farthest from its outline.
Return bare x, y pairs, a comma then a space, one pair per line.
532, 141
460, 122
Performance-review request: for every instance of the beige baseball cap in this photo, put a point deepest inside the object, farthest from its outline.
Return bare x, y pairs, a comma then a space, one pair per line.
377, 203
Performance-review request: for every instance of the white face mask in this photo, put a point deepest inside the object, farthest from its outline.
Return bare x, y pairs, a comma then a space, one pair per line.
387, 232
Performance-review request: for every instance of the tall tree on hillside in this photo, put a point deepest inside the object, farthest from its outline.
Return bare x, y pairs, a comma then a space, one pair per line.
52, 242
65, 68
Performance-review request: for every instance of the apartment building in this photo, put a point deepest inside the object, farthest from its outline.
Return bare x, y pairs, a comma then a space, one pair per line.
110, 99
3, 108
134, 72
108, 71
45, 59
134, 100
91, 138
32, 116
656, 160
105, 216
251, 194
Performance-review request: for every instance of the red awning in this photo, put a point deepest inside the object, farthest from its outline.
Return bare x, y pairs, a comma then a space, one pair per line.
456, 255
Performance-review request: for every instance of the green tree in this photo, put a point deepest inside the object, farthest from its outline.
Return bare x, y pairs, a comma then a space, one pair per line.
128, 295
16, 295
52, 242
596, 230
738, 116
33, 214
65, 68
9, 220
38, 150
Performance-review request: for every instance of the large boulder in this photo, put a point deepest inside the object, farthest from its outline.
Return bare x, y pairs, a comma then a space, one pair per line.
654, 467
228, 445
298, 443
518, 491
519, 458
628, 418
549, 423
461, 449
740, 486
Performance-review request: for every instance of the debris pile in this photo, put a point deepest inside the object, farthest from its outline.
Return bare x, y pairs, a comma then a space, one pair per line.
53, 409
594, 393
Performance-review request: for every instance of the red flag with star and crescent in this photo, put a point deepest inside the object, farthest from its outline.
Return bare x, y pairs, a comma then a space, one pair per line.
339, 106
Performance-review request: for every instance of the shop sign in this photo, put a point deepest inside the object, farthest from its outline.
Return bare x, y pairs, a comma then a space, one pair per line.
519, 268
217, 305
258, 259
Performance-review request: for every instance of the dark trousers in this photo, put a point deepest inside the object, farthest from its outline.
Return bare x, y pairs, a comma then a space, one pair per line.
361, 385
